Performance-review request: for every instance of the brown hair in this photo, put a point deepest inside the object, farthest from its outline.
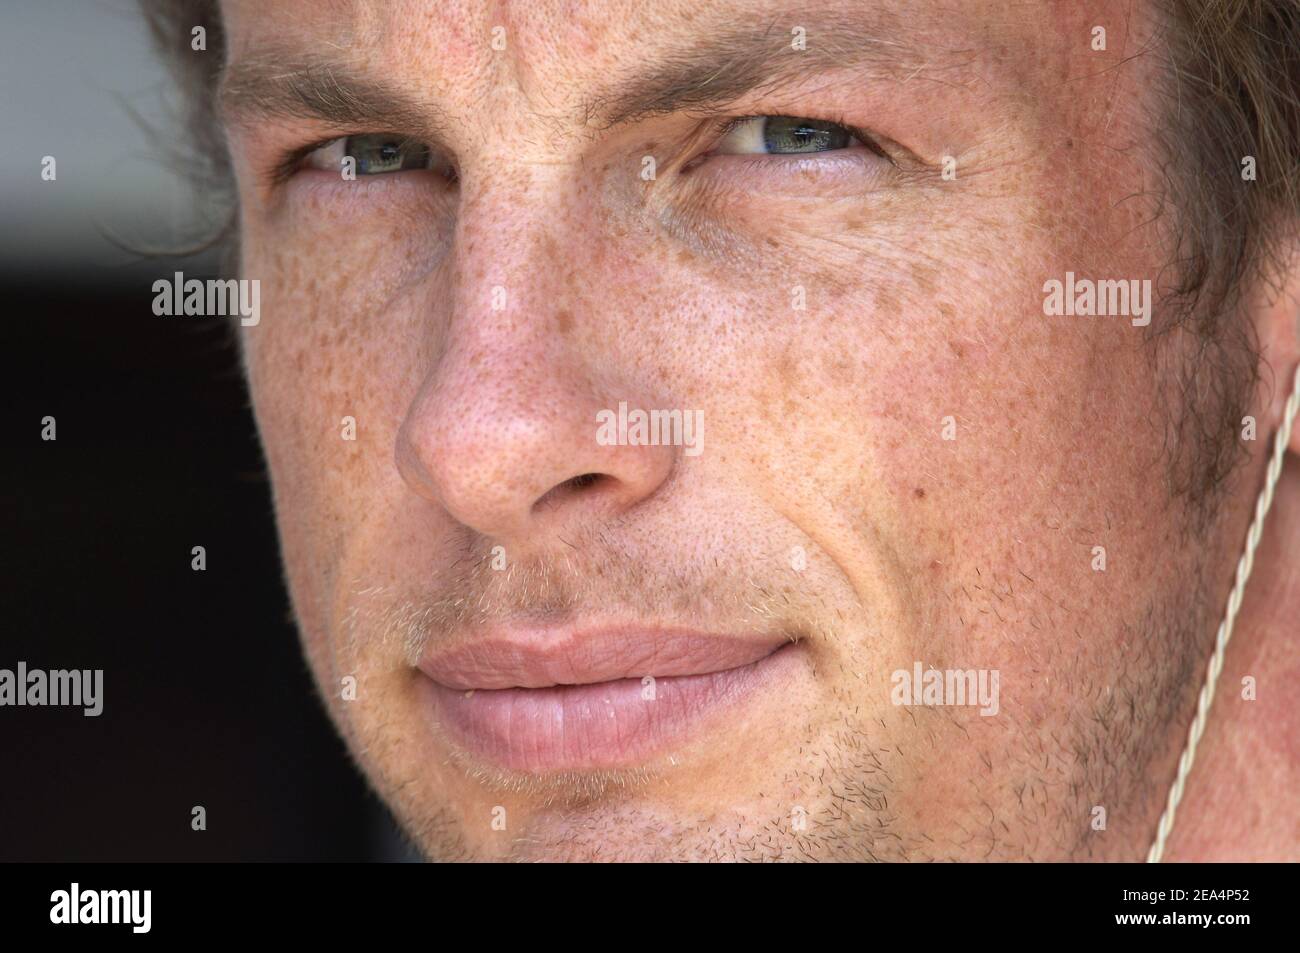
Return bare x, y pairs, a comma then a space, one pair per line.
204, 154
1232, 98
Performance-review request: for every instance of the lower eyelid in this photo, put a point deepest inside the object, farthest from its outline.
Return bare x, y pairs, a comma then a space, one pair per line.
325, 192
855, 157
857, 169
404, 178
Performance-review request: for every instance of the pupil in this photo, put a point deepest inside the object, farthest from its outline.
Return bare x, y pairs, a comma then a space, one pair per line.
785, 135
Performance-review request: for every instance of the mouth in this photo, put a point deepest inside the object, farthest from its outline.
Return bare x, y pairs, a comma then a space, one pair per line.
540, 700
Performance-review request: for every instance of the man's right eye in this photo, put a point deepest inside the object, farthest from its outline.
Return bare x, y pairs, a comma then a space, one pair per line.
372, 154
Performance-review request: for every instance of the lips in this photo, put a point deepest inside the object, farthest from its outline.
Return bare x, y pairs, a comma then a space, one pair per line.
554, 698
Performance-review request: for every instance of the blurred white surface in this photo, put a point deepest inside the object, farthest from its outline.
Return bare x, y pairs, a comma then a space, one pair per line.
71, 73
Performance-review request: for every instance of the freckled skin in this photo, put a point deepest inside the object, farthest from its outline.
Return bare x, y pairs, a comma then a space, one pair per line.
474, 330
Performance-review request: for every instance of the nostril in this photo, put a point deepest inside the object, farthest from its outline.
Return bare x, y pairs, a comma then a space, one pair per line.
569, 487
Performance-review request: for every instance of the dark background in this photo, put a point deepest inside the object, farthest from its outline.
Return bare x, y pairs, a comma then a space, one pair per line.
208, 700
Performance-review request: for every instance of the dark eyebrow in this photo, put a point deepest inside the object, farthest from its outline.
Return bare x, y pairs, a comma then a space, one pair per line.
719, 69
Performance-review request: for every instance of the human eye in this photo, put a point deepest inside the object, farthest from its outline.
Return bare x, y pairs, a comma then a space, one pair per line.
784, 135
777, 153
374, 153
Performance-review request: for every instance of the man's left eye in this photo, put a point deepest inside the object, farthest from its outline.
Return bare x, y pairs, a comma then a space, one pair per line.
783, 135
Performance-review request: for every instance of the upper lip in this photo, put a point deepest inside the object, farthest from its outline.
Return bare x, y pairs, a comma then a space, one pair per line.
543, 656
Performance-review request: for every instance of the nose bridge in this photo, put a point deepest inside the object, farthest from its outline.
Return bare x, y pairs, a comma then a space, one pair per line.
507, 415
518, 230
510, 285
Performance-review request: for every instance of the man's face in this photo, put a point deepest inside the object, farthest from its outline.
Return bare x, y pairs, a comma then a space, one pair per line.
543, 637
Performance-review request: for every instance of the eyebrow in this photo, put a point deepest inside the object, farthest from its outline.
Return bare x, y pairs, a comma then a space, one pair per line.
706, 75
277, 85
734, 63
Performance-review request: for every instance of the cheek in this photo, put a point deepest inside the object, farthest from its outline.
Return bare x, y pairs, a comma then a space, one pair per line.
922, 395
324, 387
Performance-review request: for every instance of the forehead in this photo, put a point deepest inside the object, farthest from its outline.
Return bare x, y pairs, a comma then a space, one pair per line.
548, 46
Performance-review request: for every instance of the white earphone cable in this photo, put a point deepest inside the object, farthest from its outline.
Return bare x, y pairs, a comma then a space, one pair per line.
1244, 566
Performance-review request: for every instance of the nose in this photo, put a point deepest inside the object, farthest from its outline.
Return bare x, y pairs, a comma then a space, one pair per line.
502, 433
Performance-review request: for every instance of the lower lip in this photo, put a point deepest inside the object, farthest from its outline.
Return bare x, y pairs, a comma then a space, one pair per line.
603, 725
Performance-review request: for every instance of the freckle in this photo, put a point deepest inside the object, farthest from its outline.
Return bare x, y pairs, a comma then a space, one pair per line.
831, 281
838, 369
957, 349
919, 493
684, 256
564, 321
924, 277
785, 371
